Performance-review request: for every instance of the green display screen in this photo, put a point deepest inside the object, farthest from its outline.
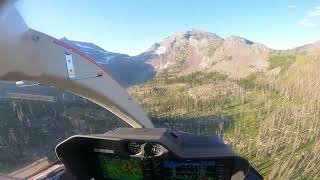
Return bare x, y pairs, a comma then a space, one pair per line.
116, 167
189, 169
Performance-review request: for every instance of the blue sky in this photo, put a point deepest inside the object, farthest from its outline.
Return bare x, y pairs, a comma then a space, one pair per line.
132, 26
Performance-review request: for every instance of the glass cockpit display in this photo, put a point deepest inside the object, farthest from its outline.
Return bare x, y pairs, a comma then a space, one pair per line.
116, 167
190, 169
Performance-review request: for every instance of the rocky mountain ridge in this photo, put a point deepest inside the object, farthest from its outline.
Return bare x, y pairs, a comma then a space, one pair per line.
186, 52
197, 50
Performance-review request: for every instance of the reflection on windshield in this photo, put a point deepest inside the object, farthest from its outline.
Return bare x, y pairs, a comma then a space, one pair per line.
35, 119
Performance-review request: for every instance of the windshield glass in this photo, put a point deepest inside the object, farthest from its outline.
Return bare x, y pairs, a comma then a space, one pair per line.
247, 72
34, 119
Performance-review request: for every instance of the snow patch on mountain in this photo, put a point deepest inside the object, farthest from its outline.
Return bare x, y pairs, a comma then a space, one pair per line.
161, 50
83, 46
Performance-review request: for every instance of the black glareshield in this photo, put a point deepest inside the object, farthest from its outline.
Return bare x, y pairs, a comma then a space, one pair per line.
127, 153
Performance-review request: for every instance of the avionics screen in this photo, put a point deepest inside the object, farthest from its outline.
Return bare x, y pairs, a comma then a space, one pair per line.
195, 169
116, 167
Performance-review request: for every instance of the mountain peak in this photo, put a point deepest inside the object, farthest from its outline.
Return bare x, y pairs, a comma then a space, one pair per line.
64, 39
192, 32
182, 39
198, 32
240, 39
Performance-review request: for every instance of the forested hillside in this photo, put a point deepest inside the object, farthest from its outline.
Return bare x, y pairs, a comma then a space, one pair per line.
271, 117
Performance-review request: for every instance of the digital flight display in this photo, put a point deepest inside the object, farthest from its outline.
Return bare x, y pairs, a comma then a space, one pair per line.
195, 169
117, 167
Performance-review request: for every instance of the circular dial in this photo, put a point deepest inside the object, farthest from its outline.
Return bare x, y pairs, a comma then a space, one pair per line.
153, 149
134, 147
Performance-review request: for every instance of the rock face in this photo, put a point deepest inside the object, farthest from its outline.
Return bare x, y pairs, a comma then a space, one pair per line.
197, 50
239, 57
184, 52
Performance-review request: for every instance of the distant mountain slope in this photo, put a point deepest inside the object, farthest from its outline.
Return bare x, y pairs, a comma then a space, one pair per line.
313, 48
100, 55
127, 70
184, 51
196, 50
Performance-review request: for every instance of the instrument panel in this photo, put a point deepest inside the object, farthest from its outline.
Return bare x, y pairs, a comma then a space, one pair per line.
127, 153
117, 167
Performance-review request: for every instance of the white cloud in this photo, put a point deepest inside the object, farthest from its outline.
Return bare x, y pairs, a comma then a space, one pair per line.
315, 11
307, 23
292, 6
311, 19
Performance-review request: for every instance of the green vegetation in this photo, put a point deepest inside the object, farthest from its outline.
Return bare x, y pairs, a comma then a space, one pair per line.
248, 82
195, 78
282, 60
271, 120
